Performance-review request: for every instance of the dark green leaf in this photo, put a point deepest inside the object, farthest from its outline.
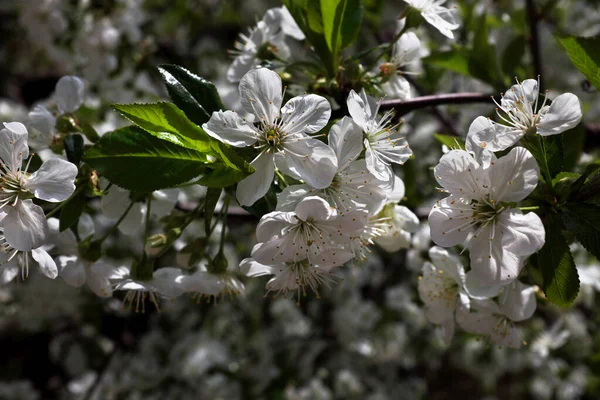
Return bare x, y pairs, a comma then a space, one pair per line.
341, 23
452, 142
210, 202
547, 151
165, 121
573, 141
482, 58
455, 60
561, 281
512, 55
90, 132
584, 53
584, 221
133, 159
71, 211
194, 95
74, 148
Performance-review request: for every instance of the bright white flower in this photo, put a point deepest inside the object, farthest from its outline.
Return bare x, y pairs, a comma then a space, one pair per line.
353, 186
442, 289
69, 94
280, 135
439, 17
25, 225
202, 284
496, 320
314, 231
384, 144
478, 212
522, 115
401, 222
165, 282
268, 34
405, 60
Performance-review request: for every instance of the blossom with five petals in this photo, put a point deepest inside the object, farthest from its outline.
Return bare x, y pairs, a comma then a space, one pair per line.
438, 16
280, 135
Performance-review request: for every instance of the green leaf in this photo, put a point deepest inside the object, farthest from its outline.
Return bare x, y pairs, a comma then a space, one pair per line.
210, 203
590, 171
574, 140
133, 159
194, 95
342, 20
455, 60
74, 148
165, 121
89, 132
561, 281
453, 142
482, 58
547, 151
512, 55
71, 211
584, 221
584, 53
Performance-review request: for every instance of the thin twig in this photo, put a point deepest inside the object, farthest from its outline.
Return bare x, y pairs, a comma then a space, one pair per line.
406, 106
534, 39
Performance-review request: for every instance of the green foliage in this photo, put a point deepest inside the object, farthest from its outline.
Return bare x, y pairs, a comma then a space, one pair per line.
512, 57
584, 53
341, 23
133, 159
584, 221
547, 151
165, 121
452, 142
74, 148
71, 211
561, 281
194, 95
587, 187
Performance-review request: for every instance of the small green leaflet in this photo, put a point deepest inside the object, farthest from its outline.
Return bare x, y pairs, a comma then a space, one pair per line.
584, 53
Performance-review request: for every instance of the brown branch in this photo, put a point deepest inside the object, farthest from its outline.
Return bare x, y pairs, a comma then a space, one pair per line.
406, 106
534, 39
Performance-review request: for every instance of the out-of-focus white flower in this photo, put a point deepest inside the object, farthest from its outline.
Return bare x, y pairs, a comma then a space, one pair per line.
477, 212
384, 144
496, 320
69, 94
268, 34
522, 115
281, 135
435, 14
405, 60
400, 223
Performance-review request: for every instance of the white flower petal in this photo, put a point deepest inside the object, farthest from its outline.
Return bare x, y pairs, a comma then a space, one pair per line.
13, 144
261, 93
525, 232
69, 94
314, 208
273, 224
85, 226
115, 202
461, 175
43, 122
345, 138
167, 281
291, 196
72, 270
486, 135
405, 219
513, 176
47, 264
394, 240
449, 226
397, 87
25, 226
229, 127
517, 301
445, 27
305, 114
478, 290
448, 263
379, 168
250, 267
407, 49
240, 66
203, 283
53, 181
312, 160
527, 91
564, 114
361, 108
133, 223
256, 185
98, 283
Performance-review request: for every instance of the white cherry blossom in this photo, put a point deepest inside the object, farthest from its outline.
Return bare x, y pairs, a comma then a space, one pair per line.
405, 60
384, 144
435, 14
270, 34
442, 289
521, 115
496, 319
353, 186
478, 212
69, 94
313, 231
280, 135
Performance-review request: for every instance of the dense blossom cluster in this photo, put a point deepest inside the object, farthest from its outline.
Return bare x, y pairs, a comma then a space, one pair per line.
331, 189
